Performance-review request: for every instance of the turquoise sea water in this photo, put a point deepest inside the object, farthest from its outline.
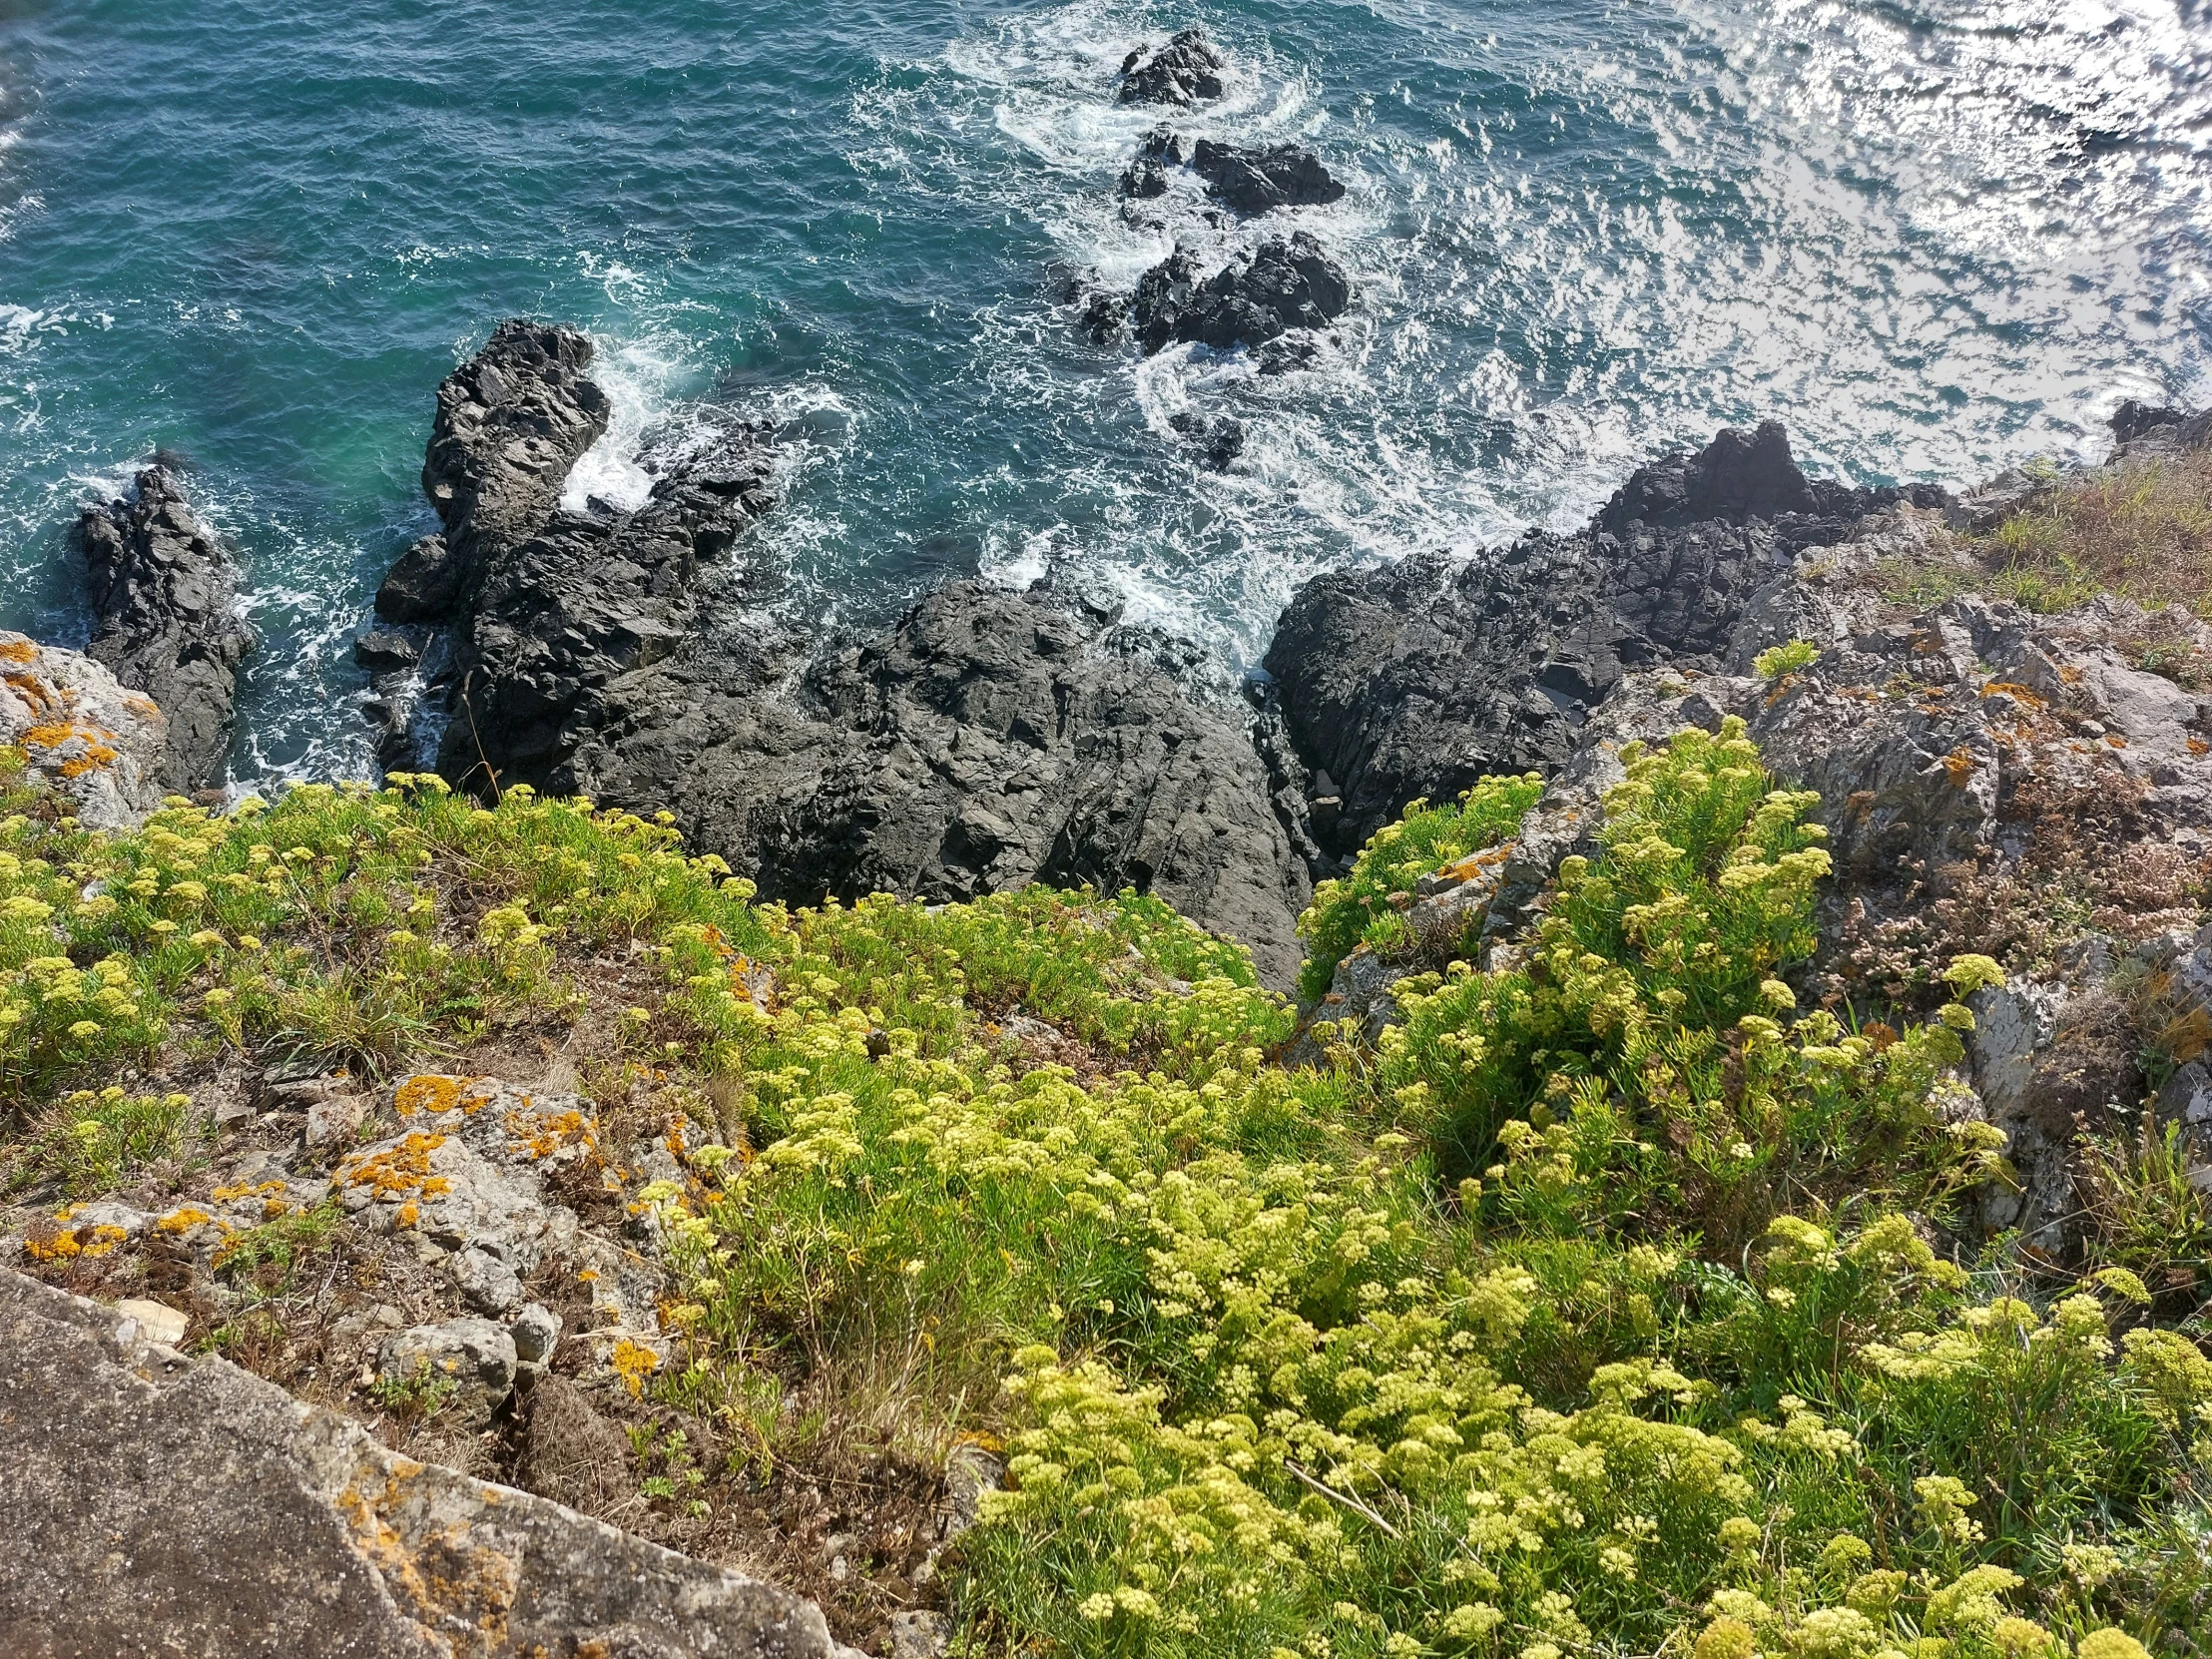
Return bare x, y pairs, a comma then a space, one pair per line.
1936, 237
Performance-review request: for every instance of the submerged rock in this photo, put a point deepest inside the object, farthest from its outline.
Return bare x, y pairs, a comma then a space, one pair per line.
164, 596
1287, 284
1184, 71
155, 1503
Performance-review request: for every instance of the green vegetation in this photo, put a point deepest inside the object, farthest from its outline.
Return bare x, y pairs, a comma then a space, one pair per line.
1776, 661
1613, 1306
2143, 531
1366, 906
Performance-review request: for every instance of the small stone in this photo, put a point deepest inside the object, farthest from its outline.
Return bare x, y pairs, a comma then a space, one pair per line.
335, 1122
923, 1635
474, 1353
535, 1330
486, 1283
158, 1325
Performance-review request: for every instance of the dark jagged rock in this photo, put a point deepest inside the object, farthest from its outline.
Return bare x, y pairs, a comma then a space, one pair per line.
564, 616
1146, 176
1421, 678
164, 592
511, 422
1287, 284
383, 650
991, 740
1183, 71
423, 584
1106, 317
1254, 181
2134, 418
1222, 438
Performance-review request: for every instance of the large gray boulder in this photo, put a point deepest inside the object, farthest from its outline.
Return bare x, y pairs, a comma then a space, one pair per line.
991, 740
164, 594
158, 1504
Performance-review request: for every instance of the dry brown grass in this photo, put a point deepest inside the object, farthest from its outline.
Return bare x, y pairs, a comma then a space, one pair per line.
2142, 530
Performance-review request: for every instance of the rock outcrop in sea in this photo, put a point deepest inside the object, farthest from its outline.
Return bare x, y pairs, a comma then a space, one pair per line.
164, 594
1187, 70
990, 740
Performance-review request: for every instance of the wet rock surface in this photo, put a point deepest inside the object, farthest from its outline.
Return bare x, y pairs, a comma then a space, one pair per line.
155, 1503
1286, 284
1252, 181
1185, 71
164, 593
510, 424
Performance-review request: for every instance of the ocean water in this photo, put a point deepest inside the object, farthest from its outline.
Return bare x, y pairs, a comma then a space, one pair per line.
1936, 237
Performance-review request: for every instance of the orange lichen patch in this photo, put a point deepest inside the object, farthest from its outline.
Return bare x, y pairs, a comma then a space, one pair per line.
409, 1214
537, 1135
184, 1219
398, 1172
2068, 675
52, 1239
139, 703
2017, 693
1475, 863
634, 1363
590, 1276
97, 756
100, 1240
246, 1189
1962, 766
2115, 739
18, 651
437, 1186
2197, 746
430, 1092
49, 736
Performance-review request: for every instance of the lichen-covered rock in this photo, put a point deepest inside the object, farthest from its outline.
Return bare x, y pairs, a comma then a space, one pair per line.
164, 596
97, 744
154, 1505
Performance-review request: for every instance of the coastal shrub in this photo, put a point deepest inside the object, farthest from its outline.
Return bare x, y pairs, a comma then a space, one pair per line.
1363, 906
1788, 658
1613, 1308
